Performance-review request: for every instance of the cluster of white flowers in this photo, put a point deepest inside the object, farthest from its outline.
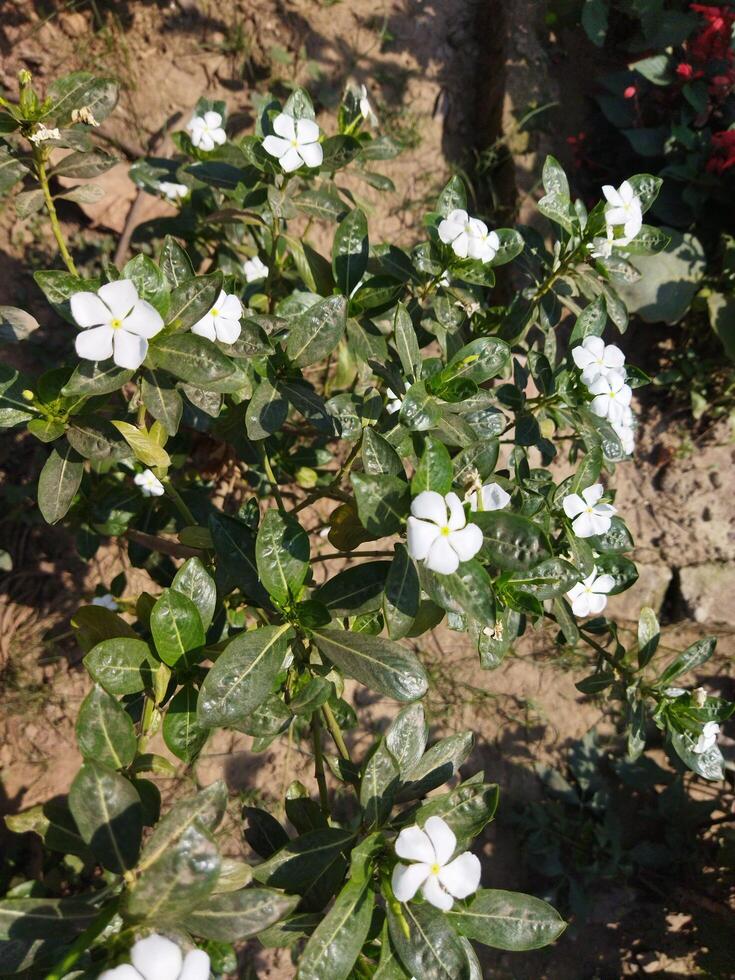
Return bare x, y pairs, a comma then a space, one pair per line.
469, 237
589, 517
441, 879
438, 532
158, 958
603, 372
623, 219
296, 142
115, 323
207, 131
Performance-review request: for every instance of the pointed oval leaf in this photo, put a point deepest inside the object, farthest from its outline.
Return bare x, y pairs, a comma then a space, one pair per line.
379, 664
108, 813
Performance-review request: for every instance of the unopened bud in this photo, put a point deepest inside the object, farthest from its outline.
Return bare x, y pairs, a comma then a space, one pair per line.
27, 395
24, 77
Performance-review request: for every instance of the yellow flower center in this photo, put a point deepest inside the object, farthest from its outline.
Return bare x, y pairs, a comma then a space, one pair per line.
294, 142
435, 869
445, 532
116, 324
215, 311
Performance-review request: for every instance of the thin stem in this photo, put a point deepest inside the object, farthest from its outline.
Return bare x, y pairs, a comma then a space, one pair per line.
336, 732
316, 739
180, 505
271, 476
40, 161
83, 942
353, 554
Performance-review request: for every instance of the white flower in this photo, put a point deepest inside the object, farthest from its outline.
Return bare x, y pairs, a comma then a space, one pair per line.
601, 248
440, 879
254, 270
366, 108
116, 323
589, 597
150, 485
107, 601
438, 532
173, 191
492, 497
596, 359
158, 958
207, 131
469, 237
590, 517
223, 320
296, 142
612, 397
675, 692
707, 738
394, 402
625, 431
42, 135
622, 210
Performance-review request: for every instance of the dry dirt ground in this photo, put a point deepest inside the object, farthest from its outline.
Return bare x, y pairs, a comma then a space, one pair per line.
435, 71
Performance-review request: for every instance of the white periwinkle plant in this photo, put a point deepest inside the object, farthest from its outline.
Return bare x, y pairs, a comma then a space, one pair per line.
378, 394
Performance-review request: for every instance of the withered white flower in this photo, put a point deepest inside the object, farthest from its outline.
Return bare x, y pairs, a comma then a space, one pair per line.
296, 142
438, 532
440, 878
707, 738
115, 323
366, 108
42, 135
172, 190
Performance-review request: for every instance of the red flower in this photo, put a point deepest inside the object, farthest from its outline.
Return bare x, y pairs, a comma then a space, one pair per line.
714, 42
684, 70
630, 92
723, 152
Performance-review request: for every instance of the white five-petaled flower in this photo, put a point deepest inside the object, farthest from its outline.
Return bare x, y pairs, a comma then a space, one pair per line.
625, 431
707, 738
43, 134
158, 958
589, 516
589, 597
394, 402
173, 191
106, 601
624, 210
207, 131
469, 237
116, 323
438, 532
366, 108
150, 485
254, 269
612, 397
440, 879
491, 497
296, 142
223, 320
596, 359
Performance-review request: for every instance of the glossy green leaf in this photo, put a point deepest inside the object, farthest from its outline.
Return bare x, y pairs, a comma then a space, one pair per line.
405, 737
335, 944
182, 732
507, 920
350, 251
317, 331
121, 665
511, 541
105, 731
108, 813
378, 456
240, 914
58, 483
176, 627
437, 765
402, 594
434, 470
379, 664
191, 299
382, 502
282, 556
266, 412
355, 590
44, 918
189, 357
694, 656
193, 580
432, 950
467, 810
234, 543
407, 345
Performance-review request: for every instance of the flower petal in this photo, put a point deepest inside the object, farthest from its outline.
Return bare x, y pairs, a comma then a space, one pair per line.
583, 526
205, 327
123, 972
457, 517
581, 605
600, 523
626, 192
120, 296
285, 126
573, 504
291, 160
276, 146
196, 966
212, 119
157, 958
494, 497
596, 602
435, 894
307, 131
593, 493
414, 845
611, 194
218, 136
94, 344
582, 357
88, 310
420, 537
227, 330
462, 877
311, 153
129, 350
466, 542
442, 557
407, 879
442, 838
430, 506
143, 320
230, 306
603, 584
461, 245
613, 356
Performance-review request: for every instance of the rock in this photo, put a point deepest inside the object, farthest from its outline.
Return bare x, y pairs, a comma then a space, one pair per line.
708, 591
649, 590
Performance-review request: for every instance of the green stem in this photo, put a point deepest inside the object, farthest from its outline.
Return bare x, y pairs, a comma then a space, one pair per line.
336, 732
83, 942
316, 739
180, 505
271, 477
40, 161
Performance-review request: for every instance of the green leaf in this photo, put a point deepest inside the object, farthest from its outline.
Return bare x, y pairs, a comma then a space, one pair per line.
317, 331
262, 831
649, 634
468, 592
379, 664
350, 251
355, 590
313, 865
266, 412
434, 470
11, 170
708, 765
176, 627
622, 569
162, 401
336, 942
190, 357
240, 914
467, 810
402, 594
558, 208
105, 731
144, 446
108, 813
549, 579
378, 785
590, 322
79, 90
594, 20
92, 378
452, 198
420, 410
378, 456
407, 345
431, 950
191, 299
554, 179
282, 556
478, 361
44, 918
181, 731
511, 541
646, 187
510, 245
121, 665
405, 737
234, 544
243, 676
437, 765
58, 483
15, 324
694, 656
507, 920
382, 502
174, 263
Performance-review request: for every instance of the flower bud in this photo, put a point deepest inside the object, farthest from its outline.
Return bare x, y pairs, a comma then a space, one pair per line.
27, 395
699, 697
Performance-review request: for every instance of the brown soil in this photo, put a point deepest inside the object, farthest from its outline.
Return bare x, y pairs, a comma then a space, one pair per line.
429, 72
